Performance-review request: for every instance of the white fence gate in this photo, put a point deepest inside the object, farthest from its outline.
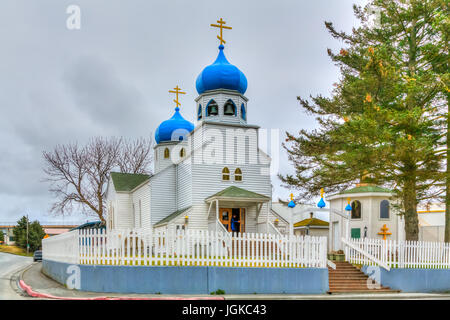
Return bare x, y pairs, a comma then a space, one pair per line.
398, 254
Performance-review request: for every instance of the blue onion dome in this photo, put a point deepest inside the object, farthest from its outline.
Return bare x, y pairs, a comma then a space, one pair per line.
291, 204
176, 126
221, 75
321, 203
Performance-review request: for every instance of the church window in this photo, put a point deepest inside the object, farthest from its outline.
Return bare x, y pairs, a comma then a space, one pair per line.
243, 113
229, 109
166, 153
199, 113
212, 108
238, 175
356, 209
226, 174
182, 153
384, 209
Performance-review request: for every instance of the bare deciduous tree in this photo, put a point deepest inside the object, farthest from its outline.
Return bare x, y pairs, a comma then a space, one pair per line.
78, 174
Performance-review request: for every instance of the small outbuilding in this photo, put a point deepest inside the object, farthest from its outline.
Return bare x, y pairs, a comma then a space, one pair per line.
311, 227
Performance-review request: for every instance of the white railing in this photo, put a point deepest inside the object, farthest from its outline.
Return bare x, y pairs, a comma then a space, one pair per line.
63, 247
398, 254
198, 248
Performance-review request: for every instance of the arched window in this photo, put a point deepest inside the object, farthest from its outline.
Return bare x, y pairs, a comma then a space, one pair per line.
229, 109
243, 113
199, 113
384, 209
166, 153
212, 109
182, 153
226, 174
238, 175
356, 209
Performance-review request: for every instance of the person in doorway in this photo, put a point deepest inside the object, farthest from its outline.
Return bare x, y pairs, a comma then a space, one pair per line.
235, 223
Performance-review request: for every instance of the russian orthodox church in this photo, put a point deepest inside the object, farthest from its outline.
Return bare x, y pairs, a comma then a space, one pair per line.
210, 176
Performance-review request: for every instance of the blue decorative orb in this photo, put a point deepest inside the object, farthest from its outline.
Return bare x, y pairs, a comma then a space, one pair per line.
174, 129
321, 203
221, 75
348, 207
291, 204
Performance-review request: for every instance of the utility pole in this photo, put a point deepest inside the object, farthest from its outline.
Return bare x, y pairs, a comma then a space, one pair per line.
27, 235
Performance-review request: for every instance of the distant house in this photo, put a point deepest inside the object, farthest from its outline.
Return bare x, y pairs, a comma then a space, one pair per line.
56, 229
7, 231
311, 227
50, 230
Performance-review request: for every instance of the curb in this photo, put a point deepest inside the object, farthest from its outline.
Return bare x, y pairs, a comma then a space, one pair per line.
26, 288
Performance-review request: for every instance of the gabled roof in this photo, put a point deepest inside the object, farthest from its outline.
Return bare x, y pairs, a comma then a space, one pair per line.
172, 216
127, 181
362, 189
311, 222
236, 192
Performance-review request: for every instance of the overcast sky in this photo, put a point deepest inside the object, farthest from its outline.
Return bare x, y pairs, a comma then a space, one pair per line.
112, 76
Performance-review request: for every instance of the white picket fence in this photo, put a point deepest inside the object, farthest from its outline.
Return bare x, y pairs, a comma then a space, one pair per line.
399, 254
187, 248
63, 247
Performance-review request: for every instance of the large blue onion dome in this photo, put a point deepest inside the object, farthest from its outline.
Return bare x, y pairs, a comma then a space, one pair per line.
176, 126
221, 75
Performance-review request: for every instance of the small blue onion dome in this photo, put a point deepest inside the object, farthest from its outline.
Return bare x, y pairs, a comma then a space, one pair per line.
176, 126
348, 207
321, 203
291, 204
221, 75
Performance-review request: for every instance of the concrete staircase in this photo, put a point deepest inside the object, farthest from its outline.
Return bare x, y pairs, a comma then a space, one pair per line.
349, 279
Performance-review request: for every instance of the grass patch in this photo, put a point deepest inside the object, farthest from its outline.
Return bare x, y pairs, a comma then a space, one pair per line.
218, 292
15, 250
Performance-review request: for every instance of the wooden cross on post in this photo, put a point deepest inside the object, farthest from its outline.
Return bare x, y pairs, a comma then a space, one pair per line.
177, 92
384, 232
221, 26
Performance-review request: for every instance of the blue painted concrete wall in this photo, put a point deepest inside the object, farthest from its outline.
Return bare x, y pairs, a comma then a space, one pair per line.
414, 280
192, 280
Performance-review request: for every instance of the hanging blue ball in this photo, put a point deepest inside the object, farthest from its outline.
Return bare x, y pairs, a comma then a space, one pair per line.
321, 203
291, 204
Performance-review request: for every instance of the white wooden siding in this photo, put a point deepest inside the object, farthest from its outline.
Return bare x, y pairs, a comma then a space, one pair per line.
162, 200
142, 195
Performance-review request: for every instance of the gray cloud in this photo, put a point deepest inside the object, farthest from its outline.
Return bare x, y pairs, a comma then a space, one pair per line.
112, 77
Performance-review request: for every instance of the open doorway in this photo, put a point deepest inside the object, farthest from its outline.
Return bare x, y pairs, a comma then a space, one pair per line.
233, 219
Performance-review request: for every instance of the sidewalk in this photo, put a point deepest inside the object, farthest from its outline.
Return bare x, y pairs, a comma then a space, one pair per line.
40, 283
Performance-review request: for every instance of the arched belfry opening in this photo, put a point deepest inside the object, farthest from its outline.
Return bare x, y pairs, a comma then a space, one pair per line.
212, 109
229, 108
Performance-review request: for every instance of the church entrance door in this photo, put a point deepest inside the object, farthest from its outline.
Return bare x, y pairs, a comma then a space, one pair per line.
233, 219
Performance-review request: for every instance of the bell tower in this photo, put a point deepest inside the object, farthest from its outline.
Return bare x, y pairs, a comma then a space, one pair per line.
221, 87
171, 137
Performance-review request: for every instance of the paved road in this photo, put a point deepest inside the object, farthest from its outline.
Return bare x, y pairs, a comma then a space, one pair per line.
10, 264
41, 283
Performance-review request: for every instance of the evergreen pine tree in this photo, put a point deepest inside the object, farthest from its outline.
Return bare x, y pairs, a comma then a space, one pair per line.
378, 125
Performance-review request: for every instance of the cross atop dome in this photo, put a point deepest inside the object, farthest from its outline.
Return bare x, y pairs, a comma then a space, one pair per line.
221, 26
177, 91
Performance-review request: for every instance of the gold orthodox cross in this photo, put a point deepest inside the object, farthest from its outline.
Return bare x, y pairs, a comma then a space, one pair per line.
221, 26
384, 232
177, 92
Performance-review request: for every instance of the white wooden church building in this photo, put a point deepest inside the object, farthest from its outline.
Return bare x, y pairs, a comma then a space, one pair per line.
210, 176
